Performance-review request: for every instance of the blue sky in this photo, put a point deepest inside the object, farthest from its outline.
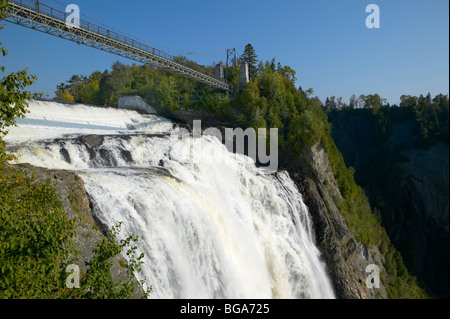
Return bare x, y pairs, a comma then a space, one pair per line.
325, 41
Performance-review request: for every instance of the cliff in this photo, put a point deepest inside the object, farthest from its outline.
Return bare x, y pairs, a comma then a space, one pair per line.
409, 186
345, 257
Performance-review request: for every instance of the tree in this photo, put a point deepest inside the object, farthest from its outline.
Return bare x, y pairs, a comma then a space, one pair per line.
250, 57
74, 83
288, 72
429, 98
88, 91
273, 66
362, 101
64, 96
339, 102
113, 83
331, 103
13, 95
309, 93
353, 102
62, 87
167, 94
408, 100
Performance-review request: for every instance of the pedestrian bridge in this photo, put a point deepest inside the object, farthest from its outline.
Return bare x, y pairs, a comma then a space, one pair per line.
40, 17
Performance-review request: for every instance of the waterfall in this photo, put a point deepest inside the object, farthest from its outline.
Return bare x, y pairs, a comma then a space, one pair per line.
213, 229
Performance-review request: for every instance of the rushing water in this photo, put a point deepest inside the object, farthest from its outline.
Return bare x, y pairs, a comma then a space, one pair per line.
221, 228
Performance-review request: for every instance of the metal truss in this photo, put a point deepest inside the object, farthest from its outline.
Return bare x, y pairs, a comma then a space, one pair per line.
33, 15
231, 66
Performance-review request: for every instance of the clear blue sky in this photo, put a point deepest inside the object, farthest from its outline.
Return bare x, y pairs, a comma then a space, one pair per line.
325, 41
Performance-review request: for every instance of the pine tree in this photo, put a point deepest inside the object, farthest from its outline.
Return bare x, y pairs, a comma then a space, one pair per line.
250, 57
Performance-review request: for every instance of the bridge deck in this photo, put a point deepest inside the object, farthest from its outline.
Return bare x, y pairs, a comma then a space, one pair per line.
40, 17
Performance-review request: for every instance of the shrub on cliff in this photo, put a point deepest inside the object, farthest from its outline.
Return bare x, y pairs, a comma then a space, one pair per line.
36, 246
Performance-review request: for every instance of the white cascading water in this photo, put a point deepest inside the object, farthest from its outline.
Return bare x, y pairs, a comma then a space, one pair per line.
222, 228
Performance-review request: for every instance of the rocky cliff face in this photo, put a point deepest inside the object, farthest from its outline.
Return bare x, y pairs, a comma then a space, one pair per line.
409, 186
346, 258
71, 191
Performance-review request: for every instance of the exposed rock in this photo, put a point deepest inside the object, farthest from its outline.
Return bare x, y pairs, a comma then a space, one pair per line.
92, 141
188, 116
134, 102
345, 257
208, 118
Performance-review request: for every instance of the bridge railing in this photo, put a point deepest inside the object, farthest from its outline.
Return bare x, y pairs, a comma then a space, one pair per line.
62, 16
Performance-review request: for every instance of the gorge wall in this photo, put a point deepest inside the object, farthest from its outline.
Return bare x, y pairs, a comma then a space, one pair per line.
409, 187
346, 258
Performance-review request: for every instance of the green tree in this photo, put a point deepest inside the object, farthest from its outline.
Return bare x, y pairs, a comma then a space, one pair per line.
167, 93
374, 101
353, 102
64, 96
74, 83
114, 82
35, 237
331, 103
408, 100
106, 90
88, 92
250, 57
288, 72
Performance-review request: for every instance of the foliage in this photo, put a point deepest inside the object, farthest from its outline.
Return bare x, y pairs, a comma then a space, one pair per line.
430, 120
64, 96
34, 237
250, 57
371, 101
97, 282
36, 245
35, 232
12, 97
217, 103
163, 91
430, 117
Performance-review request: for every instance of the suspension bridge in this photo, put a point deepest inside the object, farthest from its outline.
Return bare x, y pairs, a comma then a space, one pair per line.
37, 16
